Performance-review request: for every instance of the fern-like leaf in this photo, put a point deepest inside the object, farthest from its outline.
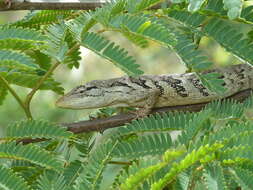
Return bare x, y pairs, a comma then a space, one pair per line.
142, 26
165, 122
213, 82
112, 52
72, 171
73, 58
226, 109
16, 60
30, 80
195, 5
133, 181
243, 177
234, 8
186, 162
197, 124
147, 145
36, 129
134, 6
30, 153
36, 19
247, 13
21, 39
3, 93
133, 169
11, 181
51, 181
91, 176
58, 47
230, 39
214, 177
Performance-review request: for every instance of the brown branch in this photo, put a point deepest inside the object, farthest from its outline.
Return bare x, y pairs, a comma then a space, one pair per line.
53, 5
121, 119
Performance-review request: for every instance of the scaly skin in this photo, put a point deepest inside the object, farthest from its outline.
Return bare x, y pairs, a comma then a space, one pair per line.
150, 91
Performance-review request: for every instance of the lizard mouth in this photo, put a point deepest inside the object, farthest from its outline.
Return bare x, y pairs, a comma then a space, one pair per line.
62, 103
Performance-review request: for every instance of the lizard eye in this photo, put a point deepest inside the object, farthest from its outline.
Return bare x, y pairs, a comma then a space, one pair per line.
81, 91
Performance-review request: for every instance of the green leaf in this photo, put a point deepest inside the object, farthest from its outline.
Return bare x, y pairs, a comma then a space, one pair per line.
30, 80
164, 122
72, 60
38, 18
195, 5
58, 47
72, 171
31, 153
112, 52
155, 144
91, 176
234, 8
36, 129
186, 162
135, 6
243, 177
213, 82
11, 181
3, 93
143, 26
41, 59
16, 60
247, 13
230, 38
51, 181
21, 39
214, 177
133, 181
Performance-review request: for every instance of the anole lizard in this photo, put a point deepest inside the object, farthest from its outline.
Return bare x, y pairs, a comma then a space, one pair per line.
149, 91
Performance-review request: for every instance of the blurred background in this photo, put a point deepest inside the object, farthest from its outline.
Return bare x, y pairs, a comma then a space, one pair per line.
153, 60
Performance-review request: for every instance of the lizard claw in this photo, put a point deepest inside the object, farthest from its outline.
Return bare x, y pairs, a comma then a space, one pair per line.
140, 113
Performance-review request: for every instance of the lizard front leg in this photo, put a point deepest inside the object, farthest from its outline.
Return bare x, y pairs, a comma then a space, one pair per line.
149, 103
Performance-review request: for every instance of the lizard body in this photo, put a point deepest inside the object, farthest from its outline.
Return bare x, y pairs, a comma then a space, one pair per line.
150, 91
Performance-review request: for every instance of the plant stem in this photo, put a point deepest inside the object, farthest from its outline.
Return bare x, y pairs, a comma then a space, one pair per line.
14, 94
42, 80
120, 163
37, 86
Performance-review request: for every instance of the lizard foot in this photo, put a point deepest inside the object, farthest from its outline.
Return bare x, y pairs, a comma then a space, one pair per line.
140, 113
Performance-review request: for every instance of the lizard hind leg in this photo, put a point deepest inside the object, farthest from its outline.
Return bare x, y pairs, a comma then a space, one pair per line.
149, 103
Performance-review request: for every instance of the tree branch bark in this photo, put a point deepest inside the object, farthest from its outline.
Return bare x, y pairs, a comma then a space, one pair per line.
53, 5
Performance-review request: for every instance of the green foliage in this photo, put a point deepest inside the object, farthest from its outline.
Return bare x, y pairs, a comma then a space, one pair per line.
10, 180
30, 153
211, 149
111, 52
20, 39
35, 129
37, 19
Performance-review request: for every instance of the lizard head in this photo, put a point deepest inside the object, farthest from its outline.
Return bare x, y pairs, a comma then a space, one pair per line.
95, 94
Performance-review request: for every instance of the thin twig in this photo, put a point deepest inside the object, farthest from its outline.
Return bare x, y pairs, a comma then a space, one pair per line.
120, 163
14, 94
37, 86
